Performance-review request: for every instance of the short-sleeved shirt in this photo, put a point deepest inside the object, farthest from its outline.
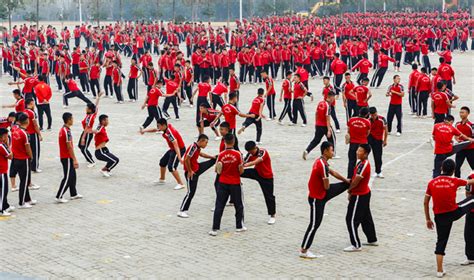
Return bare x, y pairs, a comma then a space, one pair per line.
65, 136
230, 112
323, 111
361, 93
171, 135
72, 85
230, 159
377, 127
19, 140
443, 191
203, 89
256, 103
358, 130
395, 99
88, 121
101, 136
219, 89
4, 153
440, 100
153, 96
443, 136
192, 152
20, 105
466, 128
319, 172
30, 129
362, 169
264, 168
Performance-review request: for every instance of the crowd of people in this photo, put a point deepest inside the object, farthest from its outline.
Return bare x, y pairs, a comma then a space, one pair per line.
213, 63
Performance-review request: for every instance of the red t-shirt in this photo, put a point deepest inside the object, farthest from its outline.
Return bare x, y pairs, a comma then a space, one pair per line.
264, 168
323, 111
394, 98
358, 130
443, 136
65, 136
171, 135
440, 100
230, 112
4, 153
467, 129
443, 191
203, 89
319, 172
153, 96
192, 152
219, 89
230, 159
95, 72
30, 129
19, 140
256, 103
361, 93
88, 121
101, 136
377, 127
30, 83
72, 85
20, 105
362, 168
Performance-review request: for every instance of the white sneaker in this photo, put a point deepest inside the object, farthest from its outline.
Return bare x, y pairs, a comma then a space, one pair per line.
242, 229
466, 262
25, 206
218, 138
15, 189
338, 131
336, 157
440, 274
33, 202
309, 255
303, 125
191, 105
34, 187
178, 187
90, 165
380, 175
352, 249
305, 155
268, 119
38, 171
177, 119
213, 233
11, 208
291, 124
161, 182
259, 143
399, 134
77, 196
61, 200
105, 173
280, 123
271, 221
374, 244
183, 214
5, 214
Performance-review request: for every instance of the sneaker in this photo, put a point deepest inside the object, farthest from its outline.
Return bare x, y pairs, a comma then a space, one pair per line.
241, 130
338, 131
291, 124
242, 229
280, 123
38, 171
259, 143
336, 157
309, 255
191, 105
466, 262
183, 214
34, 187
5, 214
77, 196
218, 138
61, 200
352, 249
105, 173
380, 175
213, 233
178, 119
25, 206
271, 221
399, 134
440, 274
90, 165
303, 125
10, 209
374, 244
305, 154
268, 119
178, 187
160, 182
33, 202
15, 189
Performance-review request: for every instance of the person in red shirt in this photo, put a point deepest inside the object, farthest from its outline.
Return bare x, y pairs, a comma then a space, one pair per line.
102, 153
87, 130
151, 103
173, 156
229, 167
286, 95
338, 67
423, 88
68, 161
322, 123
188, 81
43, 94
299, 92
219, 90
208, 118
377, 78
377, 139
84, 73
230, 112
5, 155
358, 210
358, 129
349, 98
440, 103
19, 104
364, 66
443, 134
446, 73
133, 75
442, 190
203, 90
34, 133
320, 192
412, 90
270, 94
94, 77
74, 91
21, 163
396, 92
469, 226
466, 127
193, 169
262, 172
255, 114
362, 94
117, 81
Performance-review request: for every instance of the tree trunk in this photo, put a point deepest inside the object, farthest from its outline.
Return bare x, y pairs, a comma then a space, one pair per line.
10, 21
174, 11
37, 15
228, 13
120, 10
98, 12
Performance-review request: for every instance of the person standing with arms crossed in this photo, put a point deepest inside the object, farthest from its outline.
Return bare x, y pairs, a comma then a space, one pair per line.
68, 161
43, 94
320, 192
466, 127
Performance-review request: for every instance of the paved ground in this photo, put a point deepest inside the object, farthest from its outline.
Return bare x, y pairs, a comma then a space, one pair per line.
126, 226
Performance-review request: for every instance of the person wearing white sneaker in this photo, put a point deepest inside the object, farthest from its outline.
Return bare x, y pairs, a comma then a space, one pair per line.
102, 153
442, 190
256, 114
5, 155
208, 118
299, 92
68, 158
377, 138
87, 133
34, 133
286, 96
151, 103
396, 93
173, 156
193, 169
469, 227
358, 209
323, 123
320, 192
262, 172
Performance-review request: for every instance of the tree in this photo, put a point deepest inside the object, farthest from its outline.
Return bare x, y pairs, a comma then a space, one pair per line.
6, 9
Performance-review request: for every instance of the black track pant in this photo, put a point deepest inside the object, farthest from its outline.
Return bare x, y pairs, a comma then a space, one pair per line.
439, 158
422, 103
319, 132
298, 107
286, 110
170, 159
412, 98
154, 113
377, 151
444, 223
35, 150
23, 169
378, 77
266, 185
85, 148
191, 184
258, 125
171, 100
225, 191
69, 179
469, 235
72, 94
334, 117
317, 212
118, 92
271, 106
108, 86
352, 155
394, 110
95, 87
44, 109
216, 100
104, 154
351, 109
84, 82
132, 88
4, 192
460, 157
358, 212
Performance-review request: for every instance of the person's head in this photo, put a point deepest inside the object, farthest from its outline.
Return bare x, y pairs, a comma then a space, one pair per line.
396, 79
449, 119
30, 103
364, 112
423, 70
11, 117
204, 107
162, 124
251, 147
260, 91
17, 94
202, 141
331, 96
41, 78
326, 80
264, 74
231, 71
440, 86
327, 149
288, 74
434, 71
206, 79
224, 128
90, 108
441, 60
232, 97
464, 112
373, 113
447, 167
347, 76
4, 135
22, 119
297, 78
365, 81
414, 66
363, 151
229, 140
104, 120
67, 119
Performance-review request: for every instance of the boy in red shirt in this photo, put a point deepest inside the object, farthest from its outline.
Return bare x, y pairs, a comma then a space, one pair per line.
101, 151
377, 139
358, 129
286, 95
396, 93
256, 114
466, 127
73, 92
5, 155
43, 94
443, 191
469, 226
358, 210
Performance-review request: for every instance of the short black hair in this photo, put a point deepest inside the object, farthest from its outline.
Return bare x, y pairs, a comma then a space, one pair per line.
372, 110
448, 166
347, 74
260, 91
250, 145
29, 100
103, 117
229, 138
16, 92
225, 125
66, 117
91, 106
465, 108
366, 148
440, 85
326, 145
202, 137
449, 118
232, 95
363, 111
162, 121
3, 131
21, 117
414, 66
326, 78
